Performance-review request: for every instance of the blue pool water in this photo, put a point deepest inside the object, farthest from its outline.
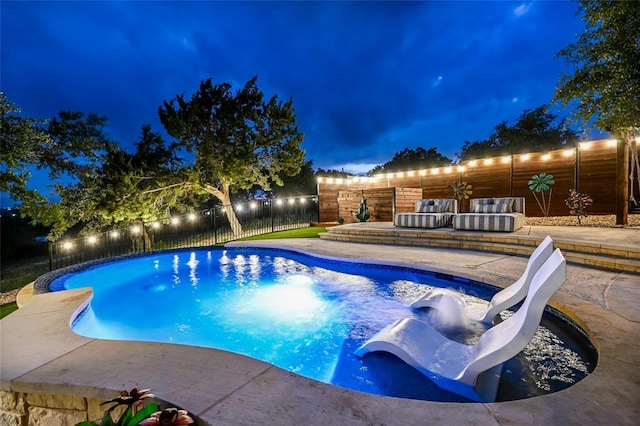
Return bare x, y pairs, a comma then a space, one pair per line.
304, 314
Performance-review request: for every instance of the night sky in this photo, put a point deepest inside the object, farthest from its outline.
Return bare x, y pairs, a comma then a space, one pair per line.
367, 79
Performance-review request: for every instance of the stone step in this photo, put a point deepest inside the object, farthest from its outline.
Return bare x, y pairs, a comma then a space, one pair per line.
605, 256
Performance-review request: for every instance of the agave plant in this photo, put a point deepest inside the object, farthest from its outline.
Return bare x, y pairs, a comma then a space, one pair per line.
539, 185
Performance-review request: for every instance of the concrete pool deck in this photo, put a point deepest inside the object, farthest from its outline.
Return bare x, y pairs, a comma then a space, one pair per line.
40, 354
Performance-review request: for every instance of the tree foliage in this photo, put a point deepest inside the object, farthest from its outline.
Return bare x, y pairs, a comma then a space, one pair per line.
21, 140
606, 61
70, 145
534, 130
124, 188
237, 140
412, 159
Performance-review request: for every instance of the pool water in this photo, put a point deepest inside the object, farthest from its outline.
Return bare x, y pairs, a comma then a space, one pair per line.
305, 314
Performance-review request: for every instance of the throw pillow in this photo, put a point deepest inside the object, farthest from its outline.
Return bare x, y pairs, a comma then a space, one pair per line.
490, 208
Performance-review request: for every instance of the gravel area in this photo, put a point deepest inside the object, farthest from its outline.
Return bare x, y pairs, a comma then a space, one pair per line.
604, 221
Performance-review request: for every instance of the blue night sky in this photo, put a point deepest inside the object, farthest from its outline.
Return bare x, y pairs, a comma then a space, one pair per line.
367, 79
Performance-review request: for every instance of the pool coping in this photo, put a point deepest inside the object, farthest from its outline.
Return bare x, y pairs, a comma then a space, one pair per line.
40, 354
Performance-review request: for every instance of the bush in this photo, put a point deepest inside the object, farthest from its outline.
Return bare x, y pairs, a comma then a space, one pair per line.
578, 204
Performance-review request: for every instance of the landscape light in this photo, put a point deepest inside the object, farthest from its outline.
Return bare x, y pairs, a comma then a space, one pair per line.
92, 240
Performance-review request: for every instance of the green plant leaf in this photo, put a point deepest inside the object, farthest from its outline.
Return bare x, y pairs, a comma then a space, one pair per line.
126, 417
107, 420
143, 414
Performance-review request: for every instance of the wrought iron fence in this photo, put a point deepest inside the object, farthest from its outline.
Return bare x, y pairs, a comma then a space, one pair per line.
199, 228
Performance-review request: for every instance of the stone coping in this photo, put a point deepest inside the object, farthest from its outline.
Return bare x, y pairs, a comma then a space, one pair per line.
40, 354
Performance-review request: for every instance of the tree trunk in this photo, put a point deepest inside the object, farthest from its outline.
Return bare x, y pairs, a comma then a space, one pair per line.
622, 179
225, 197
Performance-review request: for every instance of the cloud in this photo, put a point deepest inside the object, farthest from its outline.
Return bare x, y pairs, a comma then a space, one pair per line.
367, 79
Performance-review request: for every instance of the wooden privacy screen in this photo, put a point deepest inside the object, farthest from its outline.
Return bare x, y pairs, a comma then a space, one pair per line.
590, 168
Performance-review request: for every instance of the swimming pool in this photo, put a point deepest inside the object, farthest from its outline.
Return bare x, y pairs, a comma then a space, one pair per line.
304, 314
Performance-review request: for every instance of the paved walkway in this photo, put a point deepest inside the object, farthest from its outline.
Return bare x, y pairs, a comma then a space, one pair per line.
227, 389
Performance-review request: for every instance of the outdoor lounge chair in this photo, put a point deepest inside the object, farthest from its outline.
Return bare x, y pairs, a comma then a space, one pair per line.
471, 371
492, 214
459, 312
429, 213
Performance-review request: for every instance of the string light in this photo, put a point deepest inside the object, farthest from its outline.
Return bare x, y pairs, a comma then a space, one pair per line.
567, 152
506, 159
546, 157
175, 221
92, 240
488, 161
472, 163
192, 217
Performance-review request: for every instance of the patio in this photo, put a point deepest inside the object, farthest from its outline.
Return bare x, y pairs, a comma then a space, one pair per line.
40, 354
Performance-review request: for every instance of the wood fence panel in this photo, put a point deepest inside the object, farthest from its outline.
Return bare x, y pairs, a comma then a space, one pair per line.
406, 199
525, 166
489, 180
436, 186
348, 202
597, 177
381, 204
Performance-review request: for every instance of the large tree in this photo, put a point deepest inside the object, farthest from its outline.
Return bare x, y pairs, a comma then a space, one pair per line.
237, 140
534, 130
606, 78
125, 188
412, 159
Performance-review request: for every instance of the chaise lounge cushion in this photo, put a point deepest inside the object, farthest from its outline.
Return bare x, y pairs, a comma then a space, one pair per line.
429, 213
492, 214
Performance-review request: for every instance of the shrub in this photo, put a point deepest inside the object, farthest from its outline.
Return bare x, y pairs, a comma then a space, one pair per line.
578, 204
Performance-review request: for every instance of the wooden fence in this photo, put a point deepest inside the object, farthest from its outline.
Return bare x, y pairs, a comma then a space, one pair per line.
590, 168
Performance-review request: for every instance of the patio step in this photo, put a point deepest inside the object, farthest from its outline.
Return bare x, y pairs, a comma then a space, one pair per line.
605, 256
